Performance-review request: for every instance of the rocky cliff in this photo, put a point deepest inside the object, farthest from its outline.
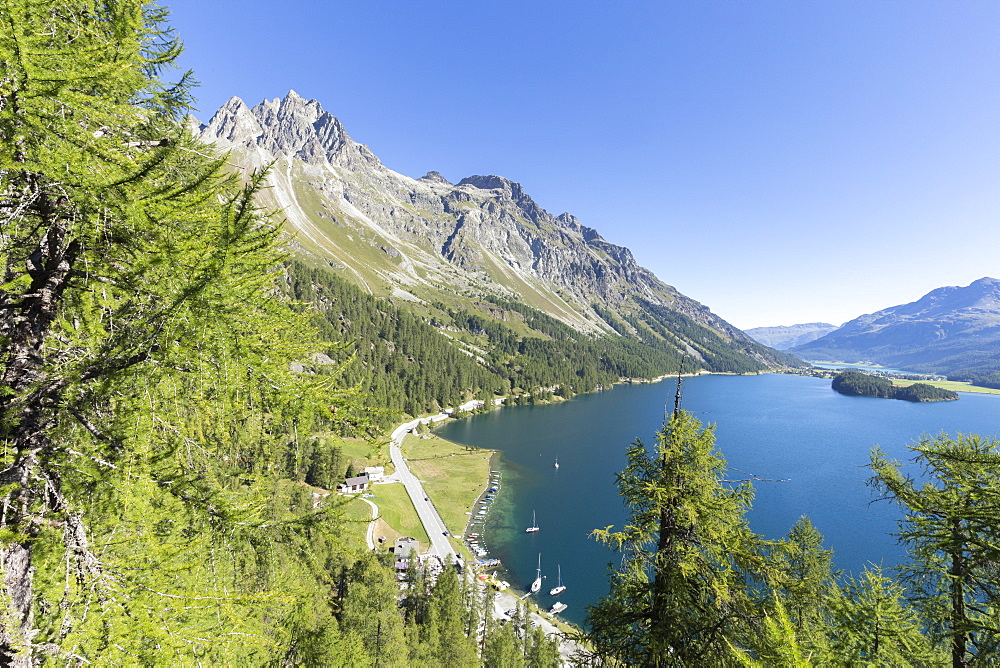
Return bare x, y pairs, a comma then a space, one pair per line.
428, 241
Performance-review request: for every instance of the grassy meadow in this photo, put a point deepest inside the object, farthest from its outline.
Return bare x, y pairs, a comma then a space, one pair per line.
952, 385
453, 475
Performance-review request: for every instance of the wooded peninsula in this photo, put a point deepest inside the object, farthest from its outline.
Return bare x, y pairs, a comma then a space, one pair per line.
858, 384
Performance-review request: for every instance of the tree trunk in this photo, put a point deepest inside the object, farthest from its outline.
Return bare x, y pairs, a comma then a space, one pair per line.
17, 618
960, 636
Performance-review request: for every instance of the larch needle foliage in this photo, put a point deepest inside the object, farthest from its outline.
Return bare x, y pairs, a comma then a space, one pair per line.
145, 388
688, 555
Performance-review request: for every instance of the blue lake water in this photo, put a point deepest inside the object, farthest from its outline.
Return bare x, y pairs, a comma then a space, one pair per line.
772, 426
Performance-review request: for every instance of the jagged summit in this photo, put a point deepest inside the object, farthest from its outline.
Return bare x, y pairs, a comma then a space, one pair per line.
492, 182
427, 239
290, 126
234, 123
435, 177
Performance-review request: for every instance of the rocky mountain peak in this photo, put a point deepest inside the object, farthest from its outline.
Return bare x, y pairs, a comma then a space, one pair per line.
435, 177
235, 123
300, 128
509, 191
569, 220
290, 126
485, 234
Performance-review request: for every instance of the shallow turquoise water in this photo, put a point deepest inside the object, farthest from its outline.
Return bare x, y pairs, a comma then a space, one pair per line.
773, 426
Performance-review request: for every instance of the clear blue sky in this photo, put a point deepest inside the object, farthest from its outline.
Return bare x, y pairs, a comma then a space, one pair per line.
781, 162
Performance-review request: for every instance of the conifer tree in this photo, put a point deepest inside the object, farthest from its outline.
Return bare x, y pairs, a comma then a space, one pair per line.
541, 651
370, 611
682, 593
455, 644
502, 647
144, 356
873, 623
801, 574
950, 526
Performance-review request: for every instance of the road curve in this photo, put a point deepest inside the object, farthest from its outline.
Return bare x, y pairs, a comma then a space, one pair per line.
370, 531
428, 515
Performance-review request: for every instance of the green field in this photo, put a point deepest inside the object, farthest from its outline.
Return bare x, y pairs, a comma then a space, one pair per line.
952, 385
396, 509
357, 513
453, 475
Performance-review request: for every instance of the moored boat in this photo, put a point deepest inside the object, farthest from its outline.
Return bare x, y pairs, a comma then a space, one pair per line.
559, 588
537, 584
534, 524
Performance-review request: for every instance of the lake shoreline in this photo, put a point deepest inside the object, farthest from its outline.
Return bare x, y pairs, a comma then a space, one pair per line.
778, 426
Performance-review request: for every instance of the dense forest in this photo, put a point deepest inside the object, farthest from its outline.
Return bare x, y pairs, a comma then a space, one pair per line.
858, 384
983, 377
406, 365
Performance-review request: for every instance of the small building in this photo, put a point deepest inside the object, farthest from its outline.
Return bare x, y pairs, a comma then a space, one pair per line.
354, 485
403, 550
375, 473
406, 546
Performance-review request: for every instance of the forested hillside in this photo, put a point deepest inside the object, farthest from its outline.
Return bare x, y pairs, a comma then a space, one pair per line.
407, 364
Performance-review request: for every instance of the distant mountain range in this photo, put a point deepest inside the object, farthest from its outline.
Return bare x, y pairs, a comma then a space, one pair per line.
432, 246
951, 330
788, 336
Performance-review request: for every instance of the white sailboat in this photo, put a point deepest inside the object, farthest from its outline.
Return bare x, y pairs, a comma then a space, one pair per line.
534, 524
560, 588
557, 462
537, 584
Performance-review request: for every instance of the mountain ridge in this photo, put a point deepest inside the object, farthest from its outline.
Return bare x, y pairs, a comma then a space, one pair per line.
783, 337
951, 330
427, 241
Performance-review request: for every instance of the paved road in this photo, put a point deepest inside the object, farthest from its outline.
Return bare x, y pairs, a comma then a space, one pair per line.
426, 511
428, 515
435, 528
370, 532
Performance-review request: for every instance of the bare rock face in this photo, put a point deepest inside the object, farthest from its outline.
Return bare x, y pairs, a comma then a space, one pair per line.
435, 177
235, 123
484, 233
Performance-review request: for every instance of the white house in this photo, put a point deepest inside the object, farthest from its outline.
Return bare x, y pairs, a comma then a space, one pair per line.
354, 485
